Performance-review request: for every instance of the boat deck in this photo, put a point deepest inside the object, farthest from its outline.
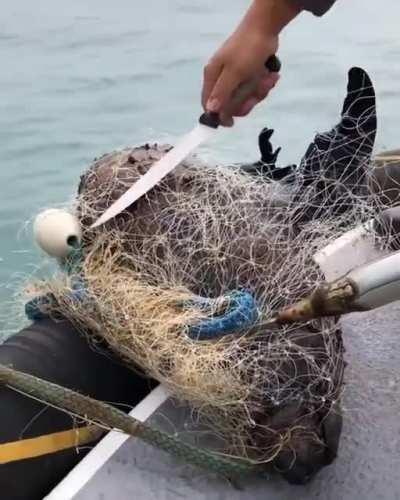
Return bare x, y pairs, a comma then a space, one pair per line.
369, 456
368, 464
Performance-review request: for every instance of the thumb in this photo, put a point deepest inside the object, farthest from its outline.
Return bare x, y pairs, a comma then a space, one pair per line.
222, 92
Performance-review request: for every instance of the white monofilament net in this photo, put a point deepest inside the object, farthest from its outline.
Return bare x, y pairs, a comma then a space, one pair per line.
210, 230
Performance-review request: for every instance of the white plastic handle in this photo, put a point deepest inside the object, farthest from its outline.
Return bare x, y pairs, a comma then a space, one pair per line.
378, 283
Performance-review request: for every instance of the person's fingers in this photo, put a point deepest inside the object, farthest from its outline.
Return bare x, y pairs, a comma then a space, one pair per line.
212, 71
266, 84
220, 83
247, 106
221, 94
226, 120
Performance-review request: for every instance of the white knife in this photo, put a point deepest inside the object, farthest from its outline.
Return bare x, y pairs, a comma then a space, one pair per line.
207, 127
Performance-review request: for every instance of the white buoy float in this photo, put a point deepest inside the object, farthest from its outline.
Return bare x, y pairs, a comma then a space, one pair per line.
57, 232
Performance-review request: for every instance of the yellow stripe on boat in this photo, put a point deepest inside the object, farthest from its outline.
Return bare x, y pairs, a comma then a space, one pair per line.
50, 443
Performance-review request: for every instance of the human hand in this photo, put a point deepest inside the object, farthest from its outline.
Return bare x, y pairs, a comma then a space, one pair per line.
231, 67
242, 58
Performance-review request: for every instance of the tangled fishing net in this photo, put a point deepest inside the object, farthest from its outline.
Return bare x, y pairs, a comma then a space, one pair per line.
162, 281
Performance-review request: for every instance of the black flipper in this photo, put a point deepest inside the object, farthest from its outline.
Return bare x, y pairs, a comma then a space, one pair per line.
335, 164
333, 168
268, 155
266, 166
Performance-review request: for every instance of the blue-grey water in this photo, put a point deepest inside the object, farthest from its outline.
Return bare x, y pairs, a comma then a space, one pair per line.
82, 77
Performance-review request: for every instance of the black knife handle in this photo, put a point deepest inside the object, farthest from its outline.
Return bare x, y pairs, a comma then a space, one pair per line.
273, 64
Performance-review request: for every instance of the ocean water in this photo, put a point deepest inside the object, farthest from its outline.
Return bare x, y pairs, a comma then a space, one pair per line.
83, 77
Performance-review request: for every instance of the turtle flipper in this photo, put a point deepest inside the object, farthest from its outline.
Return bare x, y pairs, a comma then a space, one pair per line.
266, 166
335, 164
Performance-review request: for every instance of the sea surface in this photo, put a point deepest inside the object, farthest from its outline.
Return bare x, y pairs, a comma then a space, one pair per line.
80, 78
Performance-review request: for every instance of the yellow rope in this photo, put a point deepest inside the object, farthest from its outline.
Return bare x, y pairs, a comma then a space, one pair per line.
50, 443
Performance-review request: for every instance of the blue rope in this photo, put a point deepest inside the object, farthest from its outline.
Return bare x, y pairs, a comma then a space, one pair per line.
35, 309
242, 313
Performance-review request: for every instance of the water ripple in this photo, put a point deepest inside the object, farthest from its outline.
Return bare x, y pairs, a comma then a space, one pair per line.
98, 41
179, 62
81, 78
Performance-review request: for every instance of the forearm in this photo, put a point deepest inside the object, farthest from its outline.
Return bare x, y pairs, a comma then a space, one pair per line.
242, 57
269, 16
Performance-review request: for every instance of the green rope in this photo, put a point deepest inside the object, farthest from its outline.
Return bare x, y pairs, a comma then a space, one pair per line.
105, 415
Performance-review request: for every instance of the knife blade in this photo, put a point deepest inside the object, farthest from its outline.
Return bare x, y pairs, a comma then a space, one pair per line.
205, 129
